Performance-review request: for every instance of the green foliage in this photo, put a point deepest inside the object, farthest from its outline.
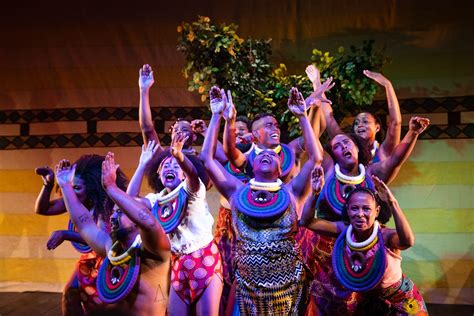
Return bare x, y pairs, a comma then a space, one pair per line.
216, 55
352, 90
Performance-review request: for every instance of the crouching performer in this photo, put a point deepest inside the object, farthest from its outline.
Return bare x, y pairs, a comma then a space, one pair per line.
134, 277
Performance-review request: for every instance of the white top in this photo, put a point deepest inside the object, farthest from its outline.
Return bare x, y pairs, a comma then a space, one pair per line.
195, 230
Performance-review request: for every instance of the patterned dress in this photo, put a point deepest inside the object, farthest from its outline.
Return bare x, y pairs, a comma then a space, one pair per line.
270, 273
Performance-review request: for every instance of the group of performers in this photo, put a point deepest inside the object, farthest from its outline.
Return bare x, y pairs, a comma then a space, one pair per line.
269, 253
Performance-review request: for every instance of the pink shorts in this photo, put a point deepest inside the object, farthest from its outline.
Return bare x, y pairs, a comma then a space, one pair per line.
192, 273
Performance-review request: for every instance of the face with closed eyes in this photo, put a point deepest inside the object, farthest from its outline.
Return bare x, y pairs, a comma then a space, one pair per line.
171, 174
266, 132
266, 162
366, 126
345, 150
362, 210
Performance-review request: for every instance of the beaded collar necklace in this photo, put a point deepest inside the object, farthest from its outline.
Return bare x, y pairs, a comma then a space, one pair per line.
360, 266
350, 179
118, 274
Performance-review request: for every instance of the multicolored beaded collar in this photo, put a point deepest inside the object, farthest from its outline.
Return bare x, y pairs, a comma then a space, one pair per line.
170, 208
262, 201
237, 173
118, 274
338, 187
82, 248
360, 266
287, 158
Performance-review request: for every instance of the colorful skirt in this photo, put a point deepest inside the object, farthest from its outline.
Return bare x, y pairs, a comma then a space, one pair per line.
192, 273
87, 271
327, 293
400, 298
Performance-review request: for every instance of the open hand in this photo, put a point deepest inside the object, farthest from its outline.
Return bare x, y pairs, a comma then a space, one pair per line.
176, 147
216, 101
314, 76
317, 179
64, 172
148, 152
109, 170
377, 77
229, 112
382, 189
318, 95
145, 78
296, 103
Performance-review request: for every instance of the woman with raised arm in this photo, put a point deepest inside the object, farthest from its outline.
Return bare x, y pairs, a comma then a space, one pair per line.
367, 125
366, 257
270, 275
181, 208
77, 296
133, 278
347, 167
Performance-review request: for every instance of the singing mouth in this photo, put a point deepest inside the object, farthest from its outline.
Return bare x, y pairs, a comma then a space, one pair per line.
266, 160
275, 136
347, 154
170, 176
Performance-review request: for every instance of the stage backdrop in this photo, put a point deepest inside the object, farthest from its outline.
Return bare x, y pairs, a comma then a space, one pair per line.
68, 86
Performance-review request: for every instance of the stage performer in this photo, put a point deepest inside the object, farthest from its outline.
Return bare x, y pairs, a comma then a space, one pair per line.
266, 133
181, 126
224, 234
347, 167
366, 256
182, 210
133, 278
271, 278
79, 294
366, 124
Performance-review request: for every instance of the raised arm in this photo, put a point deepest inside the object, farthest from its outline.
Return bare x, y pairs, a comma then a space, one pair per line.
392, 137
298, 185
235, 156
307, 217
327, 119
145, 81
43, 204
146, 157
96, 238
225, 183
153, 236
313, 102
176, 147
402, 237
387, 169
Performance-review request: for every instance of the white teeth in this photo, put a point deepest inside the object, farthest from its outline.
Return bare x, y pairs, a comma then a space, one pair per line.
274, 135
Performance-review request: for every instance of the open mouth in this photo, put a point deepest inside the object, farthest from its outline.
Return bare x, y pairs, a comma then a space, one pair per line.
275, 136
170, 176
266, 160
347, 154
